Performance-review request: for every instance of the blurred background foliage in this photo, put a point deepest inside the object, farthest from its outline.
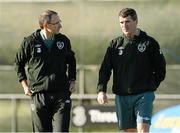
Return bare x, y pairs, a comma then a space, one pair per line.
91, 25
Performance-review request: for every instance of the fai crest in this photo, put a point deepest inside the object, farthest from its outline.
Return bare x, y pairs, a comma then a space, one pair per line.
60, 45
141, 47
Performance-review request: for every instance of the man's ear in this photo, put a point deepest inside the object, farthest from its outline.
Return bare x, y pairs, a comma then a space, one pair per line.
45, 25
136, 21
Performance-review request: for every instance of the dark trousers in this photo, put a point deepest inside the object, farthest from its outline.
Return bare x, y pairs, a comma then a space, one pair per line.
50, 112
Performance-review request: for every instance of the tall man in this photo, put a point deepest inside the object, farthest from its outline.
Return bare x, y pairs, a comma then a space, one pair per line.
138, 68
51, 74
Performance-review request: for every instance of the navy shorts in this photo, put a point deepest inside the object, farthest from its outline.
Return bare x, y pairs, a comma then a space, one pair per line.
133, 109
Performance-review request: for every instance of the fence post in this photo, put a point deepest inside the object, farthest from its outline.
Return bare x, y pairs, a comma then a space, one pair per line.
81, 88
14, 113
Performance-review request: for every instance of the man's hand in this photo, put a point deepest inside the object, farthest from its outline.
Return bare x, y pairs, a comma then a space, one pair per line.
72, 86
26, 88
27, 91
102, 98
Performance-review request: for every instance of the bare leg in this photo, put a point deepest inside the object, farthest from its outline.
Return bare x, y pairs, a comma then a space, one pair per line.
143, 128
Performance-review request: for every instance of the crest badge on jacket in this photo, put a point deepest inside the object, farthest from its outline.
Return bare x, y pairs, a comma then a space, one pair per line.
60, 45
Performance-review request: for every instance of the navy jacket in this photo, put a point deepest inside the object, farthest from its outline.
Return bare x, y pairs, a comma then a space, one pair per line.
48, 70
138, 65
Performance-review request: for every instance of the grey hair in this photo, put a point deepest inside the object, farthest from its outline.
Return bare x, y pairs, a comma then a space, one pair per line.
45, 17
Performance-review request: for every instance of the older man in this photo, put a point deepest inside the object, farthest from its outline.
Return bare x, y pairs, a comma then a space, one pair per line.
48, 56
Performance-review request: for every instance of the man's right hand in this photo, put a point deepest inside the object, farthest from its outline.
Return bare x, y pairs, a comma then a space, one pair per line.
102, 98
27, 91
26, 88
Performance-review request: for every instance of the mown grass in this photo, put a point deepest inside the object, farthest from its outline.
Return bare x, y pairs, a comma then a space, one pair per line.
5, 116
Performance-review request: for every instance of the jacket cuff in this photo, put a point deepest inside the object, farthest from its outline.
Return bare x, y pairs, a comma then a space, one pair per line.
101, 87
71, 80
22, 78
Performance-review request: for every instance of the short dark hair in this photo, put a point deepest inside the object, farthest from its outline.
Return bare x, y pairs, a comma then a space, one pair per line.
46, 17
125, 12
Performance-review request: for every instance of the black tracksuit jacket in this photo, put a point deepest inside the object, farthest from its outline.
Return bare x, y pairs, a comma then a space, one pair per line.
138, 65
49, 70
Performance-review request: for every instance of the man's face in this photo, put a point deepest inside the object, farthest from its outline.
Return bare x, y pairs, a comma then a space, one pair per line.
55, 25
128, 25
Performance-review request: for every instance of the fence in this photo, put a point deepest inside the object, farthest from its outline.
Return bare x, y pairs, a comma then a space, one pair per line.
80, 96
15, 97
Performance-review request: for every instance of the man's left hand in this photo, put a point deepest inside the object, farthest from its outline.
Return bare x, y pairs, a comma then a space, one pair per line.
72, 86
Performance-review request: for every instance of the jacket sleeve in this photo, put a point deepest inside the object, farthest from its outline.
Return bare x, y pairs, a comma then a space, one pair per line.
71, 62
21, 59
158, 63
105, 71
